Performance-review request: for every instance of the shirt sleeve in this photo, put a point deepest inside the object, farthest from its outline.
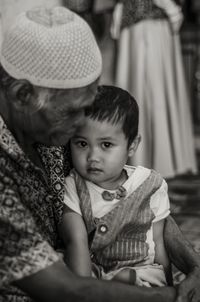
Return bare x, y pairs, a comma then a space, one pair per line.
159, 202
71, 198
23, 250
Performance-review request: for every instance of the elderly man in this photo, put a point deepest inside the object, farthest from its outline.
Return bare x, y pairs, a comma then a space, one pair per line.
50, 69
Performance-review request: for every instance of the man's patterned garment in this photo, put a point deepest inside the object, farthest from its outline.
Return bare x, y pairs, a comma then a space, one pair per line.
30, 211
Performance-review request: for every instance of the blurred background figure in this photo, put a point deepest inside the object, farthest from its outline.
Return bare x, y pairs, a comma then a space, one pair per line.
98, 13
1, 33
149, 66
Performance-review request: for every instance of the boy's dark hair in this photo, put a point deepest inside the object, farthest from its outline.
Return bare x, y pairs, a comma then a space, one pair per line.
115, 105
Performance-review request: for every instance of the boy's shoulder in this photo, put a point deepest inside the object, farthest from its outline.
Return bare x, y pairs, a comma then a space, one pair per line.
141, 170
153, 173
140, 174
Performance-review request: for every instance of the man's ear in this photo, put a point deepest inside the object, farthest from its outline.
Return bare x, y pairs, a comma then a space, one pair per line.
134, 145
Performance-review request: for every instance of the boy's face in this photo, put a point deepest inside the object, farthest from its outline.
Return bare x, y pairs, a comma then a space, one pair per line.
99, 152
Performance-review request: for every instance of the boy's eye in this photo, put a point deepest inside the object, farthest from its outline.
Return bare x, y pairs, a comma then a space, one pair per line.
80, 144
107, 145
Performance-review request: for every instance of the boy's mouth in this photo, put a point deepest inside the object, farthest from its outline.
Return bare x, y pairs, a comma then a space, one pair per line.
94, 170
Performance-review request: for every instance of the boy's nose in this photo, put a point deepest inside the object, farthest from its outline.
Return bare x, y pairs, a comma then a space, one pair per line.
93, 155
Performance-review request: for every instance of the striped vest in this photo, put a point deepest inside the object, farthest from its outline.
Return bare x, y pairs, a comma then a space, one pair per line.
118, 238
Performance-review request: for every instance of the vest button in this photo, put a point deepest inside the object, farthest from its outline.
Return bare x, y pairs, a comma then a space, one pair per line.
103, 228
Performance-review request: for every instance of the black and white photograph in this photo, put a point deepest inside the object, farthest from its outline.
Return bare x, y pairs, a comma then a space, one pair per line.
99, 150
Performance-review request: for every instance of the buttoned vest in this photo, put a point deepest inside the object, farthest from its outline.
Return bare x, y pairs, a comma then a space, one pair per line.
118, 238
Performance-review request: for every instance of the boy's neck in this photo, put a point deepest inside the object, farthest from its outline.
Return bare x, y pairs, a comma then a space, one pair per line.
116, 183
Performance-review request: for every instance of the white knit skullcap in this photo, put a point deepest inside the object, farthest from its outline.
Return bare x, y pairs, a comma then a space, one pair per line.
52, 48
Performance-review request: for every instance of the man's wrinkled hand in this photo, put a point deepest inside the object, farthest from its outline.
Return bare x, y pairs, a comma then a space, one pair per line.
189, 289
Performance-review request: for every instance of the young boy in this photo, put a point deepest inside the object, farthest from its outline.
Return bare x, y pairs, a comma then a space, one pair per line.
114, 213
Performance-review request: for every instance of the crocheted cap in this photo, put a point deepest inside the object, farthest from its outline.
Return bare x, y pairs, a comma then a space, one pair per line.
52, 48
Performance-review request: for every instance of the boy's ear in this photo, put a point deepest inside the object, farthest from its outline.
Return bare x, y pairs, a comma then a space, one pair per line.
134, 145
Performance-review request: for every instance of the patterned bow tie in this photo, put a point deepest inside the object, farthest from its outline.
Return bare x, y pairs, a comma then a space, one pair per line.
120, 193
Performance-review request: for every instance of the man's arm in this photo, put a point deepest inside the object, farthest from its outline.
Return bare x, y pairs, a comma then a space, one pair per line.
161, 256
183, 256
57, 283
74, 234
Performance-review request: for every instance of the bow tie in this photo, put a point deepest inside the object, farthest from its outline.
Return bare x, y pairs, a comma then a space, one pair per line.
119, 193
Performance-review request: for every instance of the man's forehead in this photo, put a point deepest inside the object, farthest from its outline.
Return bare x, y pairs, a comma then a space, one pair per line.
62, 99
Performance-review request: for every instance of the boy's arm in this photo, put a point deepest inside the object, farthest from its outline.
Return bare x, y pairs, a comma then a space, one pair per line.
161, 256
74, 234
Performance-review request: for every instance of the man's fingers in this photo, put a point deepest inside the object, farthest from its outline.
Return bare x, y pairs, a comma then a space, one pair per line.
191, 296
